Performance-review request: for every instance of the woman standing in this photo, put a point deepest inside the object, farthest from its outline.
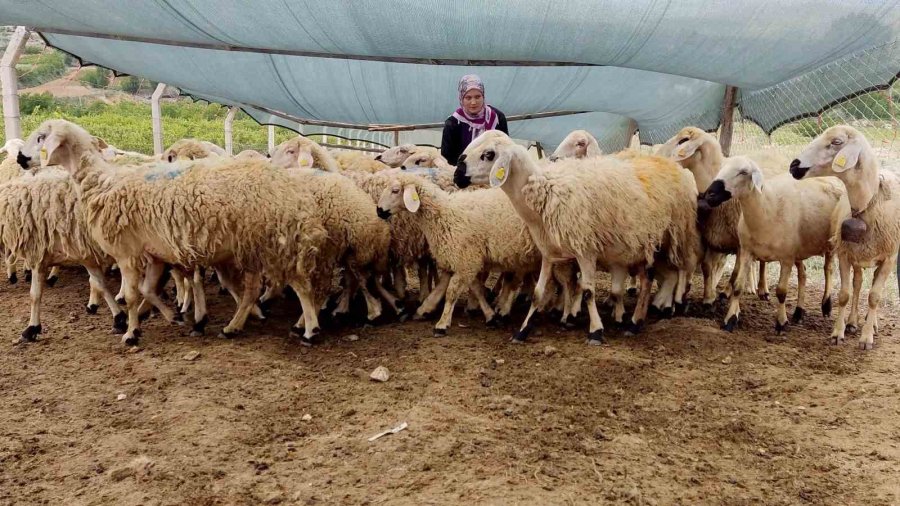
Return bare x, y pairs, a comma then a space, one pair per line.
471, 119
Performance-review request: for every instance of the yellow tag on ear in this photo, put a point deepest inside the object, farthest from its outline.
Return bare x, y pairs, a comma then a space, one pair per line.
43, 153
840, 160
680, 152
304, 162
500, 173
415, 196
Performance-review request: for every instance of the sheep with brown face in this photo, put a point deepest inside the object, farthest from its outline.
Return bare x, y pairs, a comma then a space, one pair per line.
868, 224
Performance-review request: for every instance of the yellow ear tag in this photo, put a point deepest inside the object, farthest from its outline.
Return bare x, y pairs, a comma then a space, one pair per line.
304, 162
415, 196
500, 173
43, 153
680, 152
840, 160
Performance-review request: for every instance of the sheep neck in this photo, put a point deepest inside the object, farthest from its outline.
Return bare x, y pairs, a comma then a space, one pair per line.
432, 201
87, 164
861, 192
521, 168
705, 164
757, 209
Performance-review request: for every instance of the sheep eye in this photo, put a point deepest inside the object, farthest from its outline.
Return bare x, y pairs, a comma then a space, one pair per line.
395, 190
682, 141
488, 155
837, 142
41, 138
580, 144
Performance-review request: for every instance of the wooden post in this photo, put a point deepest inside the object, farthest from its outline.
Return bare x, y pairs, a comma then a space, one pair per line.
727, 120
229, 131
271, 138
540, 150
156, 115
396, 137
10, 82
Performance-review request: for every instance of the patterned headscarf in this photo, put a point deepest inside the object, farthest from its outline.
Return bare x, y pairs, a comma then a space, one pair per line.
487, 119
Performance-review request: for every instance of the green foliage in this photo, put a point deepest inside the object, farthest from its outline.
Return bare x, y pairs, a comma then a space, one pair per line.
32, 49
38, 68
30, 103
812, 127
127, 124
130, 84
97, 77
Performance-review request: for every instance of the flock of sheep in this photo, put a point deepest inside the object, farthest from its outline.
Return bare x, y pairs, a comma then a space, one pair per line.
312, 220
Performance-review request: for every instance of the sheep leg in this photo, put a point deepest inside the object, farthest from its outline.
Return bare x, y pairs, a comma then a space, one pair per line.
476, 289
272, 291
457, 284
93, 299
536, 300
227, 280
662, 303
562, 275
618, 276
11, 268
251, 283
682, 287
588, 268
148, 288
829, 285
310, 315
187, 291
399, 275
800, 310
845, 270
178, 280
130, 281
343, 304
508, 295
434, 297
882, 272
472, 303
98, 284
53, 277
762, 286
853, 323
424, 287
373, 304
201, 318
388, 297
37, 291
643, 303
712, 271
781, 293
741, 266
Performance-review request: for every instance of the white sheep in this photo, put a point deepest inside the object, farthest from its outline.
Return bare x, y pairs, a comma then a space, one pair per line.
782, 220
250, 154
578, 144
237, 213
41, 223
303, 153
358, 161
615, 210
395, 156
468, 233
868, 223
191, 149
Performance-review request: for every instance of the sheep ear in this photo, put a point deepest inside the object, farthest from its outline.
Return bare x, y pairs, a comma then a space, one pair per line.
500, 170
846, 158
52, 152
99, 143
411, 198
685, 150
757, 178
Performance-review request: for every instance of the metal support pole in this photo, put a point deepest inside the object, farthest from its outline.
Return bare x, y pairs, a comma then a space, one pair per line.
156, 115
727, 119
271, 138
229, 131
629, 133
396, 137
10, 82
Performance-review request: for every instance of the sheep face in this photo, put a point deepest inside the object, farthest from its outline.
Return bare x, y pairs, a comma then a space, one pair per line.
738, 177
684, 144
296, 153
836, 152
486, 160
397, 197
13, 147
578, 144
396, 155
56, 142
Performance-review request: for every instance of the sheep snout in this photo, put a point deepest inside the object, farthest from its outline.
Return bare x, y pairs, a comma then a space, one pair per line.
797, 171
716, 194
23, 160
383, 213
459, 177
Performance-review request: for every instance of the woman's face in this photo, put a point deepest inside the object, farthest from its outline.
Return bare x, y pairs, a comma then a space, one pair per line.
473, 101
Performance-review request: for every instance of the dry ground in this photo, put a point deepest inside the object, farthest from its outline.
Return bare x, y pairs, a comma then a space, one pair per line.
683, 414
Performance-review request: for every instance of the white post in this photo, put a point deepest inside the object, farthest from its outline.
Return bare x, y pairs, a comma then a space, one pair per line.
157, 118
10, 82
229, 132
271, 138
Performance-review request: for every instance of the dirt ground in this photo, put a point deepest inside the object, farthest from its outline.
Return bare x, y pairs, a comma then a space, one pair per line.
683, 414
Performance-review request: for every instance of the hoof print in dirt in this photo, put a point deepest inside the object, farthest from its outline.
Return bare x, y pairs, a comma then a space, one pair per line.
92, 308
31, 332
730, 325
798, 315
595, 338
120, 322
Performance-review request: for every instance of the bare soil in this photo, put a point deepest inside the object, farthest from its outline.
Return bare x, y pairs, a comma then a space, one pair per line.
683, 414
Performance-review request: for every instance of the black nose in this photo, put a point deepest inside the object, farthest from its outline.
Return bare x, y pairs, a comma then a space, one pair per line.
383, 213
403, 167
716, 194
797, 171
459, 177
23, 161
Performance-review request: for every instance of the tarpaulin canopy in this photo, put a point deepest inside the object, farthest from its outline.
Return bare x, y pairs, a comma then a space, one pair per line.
661, 64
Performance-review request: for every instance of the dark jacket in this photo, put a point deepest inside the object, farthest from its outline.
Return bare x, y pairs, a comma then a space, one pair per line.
453, 143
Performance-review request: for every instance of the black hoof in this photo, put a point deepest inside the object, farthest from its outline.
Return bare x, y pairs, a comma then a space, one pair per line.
305, 341
227, 335
178, 318
440, 332
554, 314
31, 332
851, 329
199, 328
654, 311
296, 331
634, 328
92, 308
632, 292
223, 290
595, 338
780, 328
120, 322
730, 324
120, 301
764, 296
134, 339
722, 297
27, 276
798, 315
708, 307
569, 323
681, 308
52, 281
522, 335
668, 313
494, 322
826, 307
13, 279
